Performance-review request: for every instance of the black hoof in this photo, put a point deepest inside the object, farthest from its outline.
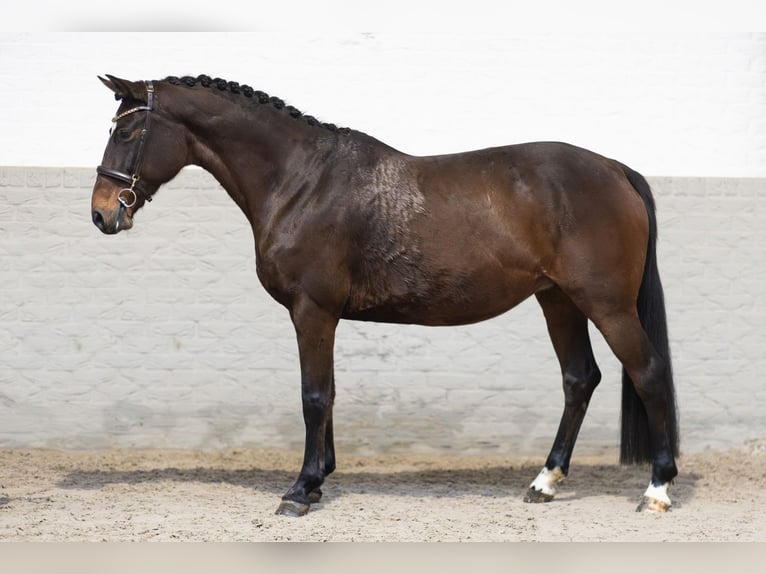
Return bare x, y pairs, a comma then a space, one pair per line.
315, 495
292, 508
533, 495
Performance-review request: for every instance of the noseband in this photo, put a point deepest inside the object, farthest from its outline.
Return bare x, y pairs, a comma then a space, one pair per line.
133, 178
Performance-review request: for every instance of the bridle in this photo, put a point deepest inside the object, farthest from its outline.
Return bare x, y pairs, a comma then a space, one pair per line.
133, 179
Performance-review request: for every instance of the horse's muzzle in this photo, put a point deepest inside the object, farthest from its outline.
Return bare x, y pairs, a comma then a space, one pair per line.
111, 223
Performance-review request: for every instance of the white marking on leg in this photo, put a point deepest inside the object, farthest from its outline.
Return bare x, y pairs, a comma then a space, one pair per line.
658, 493
546, 481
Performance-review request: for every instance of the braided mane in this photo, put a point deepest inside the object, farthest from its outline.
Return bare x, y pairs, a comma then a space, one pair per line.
248, 92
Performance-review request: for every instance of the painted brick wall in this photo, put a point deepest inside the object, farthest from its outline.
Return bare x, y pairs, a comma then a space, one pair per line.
163, 336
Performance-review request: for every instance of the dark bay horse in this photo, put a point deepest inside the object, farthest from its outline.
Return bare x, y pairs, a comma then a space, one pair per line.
347, 227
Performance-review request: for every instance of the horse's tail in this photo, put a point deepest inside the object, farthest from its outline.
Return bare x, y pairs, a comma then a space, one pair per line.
635, 444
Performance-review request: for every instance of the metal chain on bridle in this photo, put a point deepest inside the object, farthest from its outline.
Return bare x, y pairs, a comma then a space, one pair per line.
133, 178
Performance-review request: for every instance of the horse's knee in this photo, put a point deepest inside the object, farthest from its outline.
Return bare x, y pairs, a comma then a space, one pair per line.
317, 402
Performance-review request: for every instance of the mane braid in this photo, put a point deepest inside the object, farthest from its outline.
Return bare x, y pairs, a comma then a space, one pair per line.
248, 92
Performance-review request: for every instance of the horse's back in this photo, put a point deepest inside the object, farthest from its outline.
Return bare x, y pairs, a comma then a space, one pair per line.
526, 202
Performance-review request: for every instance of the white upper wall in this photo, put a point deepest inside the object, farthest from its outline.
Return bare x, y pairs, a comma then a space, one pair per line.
668, 103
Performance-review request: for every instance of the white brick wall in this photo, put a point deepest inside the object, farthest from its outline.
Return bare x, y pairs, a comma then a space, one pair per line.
163, 336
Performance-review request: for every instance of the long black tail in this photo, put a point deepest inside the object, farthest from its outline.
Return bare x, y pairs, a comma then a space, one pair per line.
635, 445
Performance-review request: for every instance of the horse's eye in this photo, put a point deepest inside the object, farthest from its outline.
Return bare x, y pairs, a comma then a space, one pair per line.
121, 134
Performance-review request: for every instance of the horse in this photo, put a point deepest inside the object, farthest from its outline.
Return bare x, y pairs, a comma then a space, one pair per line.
347, 227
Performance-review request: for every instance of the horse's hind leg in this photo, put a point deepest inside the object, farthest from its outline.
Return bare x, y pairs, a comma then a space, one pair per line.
568, 329
650, 376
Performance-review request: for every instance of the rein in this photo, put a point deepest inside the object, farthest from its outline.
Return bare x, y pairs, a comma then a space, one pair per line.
133, 178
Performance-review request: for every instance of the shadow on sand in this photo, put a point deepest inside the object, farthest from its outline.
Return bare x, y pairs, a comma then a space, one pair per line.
493, 481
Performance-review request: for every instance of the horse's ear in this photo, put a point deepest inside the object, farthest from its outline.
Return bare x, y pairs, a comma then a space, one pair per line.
124, 88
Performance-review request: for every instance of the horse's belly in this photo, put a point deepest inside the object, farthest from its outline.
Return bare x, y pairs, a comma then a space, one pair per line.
445, 299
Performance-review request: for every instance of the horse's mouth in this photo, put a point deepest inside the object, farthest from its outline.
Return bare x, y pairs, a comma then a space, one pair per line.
123, 224
124, 219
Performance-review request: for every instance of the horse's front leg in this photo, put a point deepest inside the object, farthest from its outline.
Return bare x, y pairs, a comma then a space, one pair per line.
315, 330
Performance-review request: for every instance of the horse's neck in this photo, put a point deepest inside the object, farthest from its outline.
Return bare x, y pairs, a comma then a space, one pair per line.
251, 160
226, 168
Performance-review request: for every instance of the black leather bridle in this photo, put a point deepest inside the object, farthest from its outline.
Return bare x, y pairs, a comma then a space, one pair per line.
134, 178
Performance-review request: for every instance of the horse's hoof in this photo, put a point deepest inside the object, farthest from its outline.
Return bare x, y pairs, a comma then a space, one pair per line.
533, 495
292, 508
649, 504
315, 495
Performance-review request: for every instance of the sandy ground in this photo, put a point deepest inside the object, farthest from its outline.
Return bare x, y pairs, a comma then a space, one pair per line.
161, 495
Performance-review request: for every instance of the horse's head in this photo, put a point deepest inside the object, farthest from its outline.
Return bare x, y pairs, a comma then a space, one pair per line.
145, 149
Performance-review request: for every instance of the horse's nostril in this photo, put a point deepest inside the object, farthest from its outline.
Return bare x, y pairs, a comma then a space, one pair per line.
98, 219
